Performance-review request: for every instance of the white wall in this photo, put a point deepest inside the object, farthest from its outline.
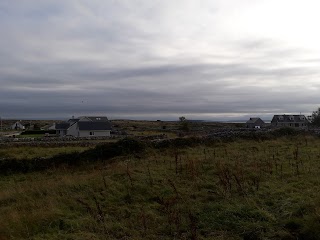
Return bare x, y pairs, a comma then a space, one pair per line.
18, 125
73, 130
105, 133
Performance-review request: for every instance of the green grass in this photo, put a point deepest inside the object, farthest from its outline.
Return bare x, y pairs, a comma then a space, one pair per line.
235, 190
29, 152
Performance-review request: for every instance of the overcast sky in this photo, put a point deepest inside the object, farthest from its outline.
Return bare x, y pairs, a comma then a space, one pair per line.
159, 59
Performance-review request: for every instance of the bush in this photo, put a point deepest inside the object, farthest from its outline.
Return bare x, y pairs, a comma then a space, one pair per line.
101, 152
40, 132
285, 131
304, 228
110, 150
179, 142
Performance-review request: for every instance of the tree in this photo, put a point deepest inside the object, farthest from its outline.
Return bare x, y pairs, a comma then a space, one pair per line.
182, 119
184, 124
36, 126
315, 118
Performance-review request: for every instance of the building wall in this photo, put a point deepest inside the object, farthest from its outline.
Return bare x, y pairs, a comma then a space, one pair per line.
61, 133
296, 121
258, 124
73, 130
105, 133
17, 126
290, 124
250, 125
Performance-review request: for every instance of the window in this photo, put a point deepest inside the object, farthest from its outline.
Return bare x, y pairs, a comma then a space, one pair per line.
91, 133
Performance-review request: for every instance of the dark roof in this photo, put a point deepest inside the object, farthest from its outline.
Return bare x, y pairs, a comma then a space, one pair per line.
289, 118
73, 120
253, 120
19, 122
98, 118
62, 126
94, 126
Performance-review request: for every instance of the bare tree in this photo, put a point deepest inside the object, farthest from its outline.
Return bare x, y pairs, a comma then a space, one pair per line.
184, 124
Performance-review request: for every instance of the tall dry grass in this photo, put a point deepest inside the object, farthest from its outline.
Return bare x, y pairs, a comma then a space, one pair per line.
225, 190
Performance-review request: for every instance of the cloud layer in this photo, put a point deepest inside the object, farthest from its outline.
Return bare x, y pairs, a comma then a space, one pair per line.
144, 59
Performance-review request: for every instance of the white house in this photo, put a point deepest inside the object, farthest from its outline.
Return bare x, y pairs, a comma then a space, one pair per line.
85, 126
17, 126
295, 121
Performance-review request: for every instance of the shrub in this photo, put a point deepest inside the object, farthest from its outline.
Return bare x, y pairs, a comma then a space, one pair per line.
179, 142
100, 152
32, 132
285, 131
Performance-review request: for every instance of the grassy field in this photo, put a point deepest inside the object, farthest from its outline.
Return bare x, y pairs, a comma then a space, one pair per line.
33, 152
225, 190
170, 128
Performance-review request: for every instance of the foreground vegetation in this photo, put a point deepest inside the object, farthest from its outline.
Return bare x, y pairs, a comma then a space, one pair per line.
27, 152
241, 189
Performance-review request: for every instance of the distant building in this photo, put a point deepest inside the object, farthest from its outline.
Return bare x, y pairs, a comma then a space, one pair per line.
85, 127
255, 123
18, 126
52, 127
295, 121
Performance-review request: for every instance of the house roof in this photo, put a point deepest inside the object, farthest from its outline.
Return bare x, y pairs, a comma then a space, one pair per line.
94, 126
289, 118
97, 123
73, 120
253, 120
19, 123
95, 118
62, 126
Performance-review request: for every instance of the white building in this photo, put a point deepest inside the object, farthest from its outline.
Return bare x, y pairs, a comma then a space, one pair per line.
85, 126
17, 126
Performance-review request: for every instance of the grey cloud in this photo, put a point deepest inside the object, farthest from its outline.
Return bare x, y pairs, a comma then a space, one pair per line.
73, 58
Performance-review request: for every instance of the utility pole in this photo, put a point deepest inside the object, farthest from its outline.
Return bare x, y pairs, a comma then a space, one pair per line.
1, 123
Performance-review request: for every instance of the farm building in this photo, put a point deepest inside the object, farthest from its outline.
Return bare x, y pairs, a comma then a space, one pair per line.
296, 121
85, 127
255, 123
